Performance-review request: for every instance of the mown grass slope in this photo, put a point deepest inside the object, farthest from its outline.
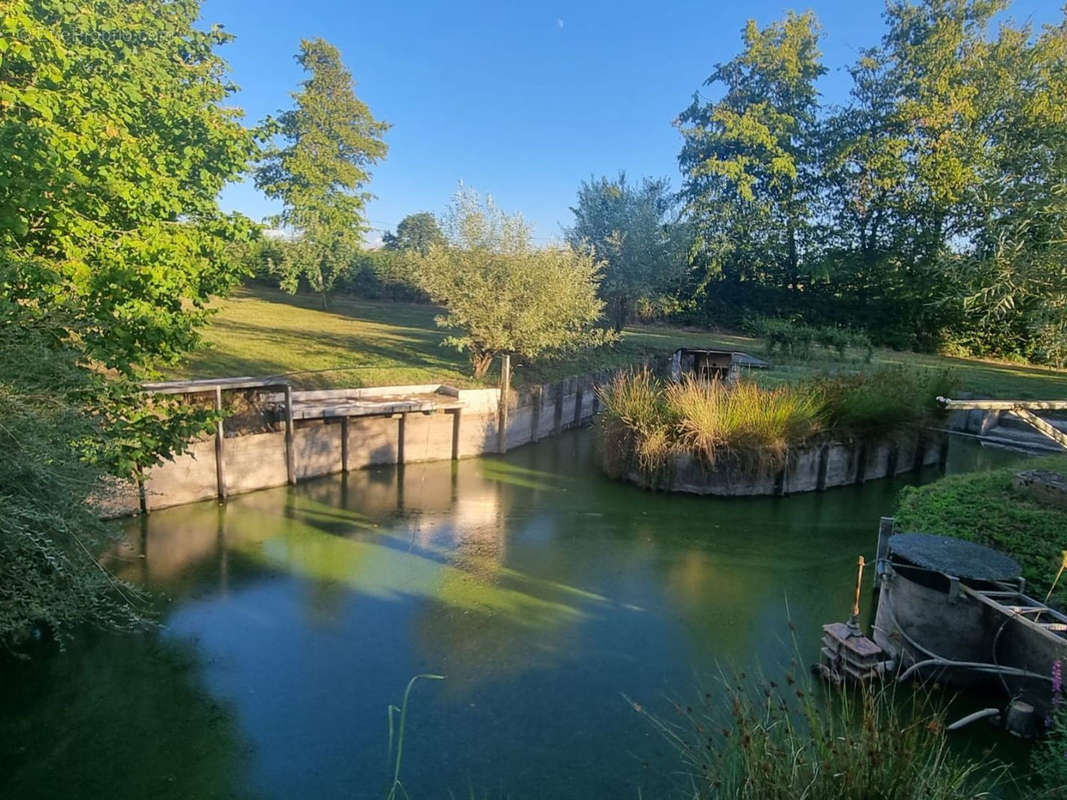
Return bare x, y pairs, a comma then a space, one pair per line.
261, 331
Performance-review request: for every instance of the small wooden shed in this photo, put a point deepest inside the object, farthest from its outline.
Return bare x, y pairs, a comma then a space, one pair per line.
709, 365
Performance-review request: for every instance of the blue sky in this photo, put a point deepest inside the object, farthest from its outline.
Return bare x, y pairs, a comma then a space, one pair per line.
519, 100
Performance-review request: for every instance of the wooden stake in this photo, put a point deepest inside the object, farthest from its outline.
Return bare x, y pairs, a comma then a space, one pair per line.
859, 582
290, 456
505, 393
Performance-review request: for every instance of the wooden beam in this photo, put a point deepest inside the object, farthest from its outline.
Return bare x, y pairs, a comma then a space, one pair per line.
344, 444
455, 433
505, 398
1032, 419
1002, 405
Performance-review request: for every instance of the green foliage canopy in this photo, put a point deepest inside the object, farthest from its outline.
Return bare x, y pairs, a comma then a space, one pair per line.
114, 144
747, 158
414, 232
631, 232
504, 295
330, 141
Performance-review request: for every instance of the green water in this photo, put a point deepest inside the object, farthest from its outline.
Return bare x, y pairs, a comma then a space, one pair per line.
544, 592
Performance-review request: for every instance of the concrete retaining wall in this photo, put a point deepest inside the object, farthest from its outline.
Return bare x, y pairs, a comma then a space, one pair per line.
259, 460
809, 469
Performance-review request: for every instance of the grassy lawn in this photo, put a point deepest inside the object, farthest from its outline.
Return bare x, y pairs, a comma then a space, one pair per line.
261, 331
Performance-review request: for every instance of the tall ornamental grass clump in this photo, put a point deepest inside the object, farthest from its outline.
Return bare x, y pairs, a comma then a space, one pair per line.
636, 423
794, 740
713, 419
646, 421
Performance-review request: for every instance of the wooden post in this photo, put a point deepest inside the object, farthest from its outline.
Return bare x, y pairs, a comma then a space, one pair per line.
220, 438
142, 494
579, 397
400, 435
344, 444
455, 433
894, 456
290, 455
505, 392
919, 458
861, 463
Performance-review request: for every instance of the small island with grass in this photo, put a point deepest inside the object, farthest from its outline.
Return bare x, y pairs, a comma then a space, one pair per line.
756, 438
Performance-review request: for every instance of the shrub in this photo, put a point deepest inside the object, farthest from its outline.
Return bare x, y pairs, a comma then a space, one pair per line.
878, 403
502, 294
784, 740
793, 339
796, 339
50, 537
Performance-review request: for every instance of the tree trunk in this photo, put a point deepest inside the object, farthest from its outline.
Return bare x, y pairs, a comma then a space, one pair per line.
481, 362
620, 312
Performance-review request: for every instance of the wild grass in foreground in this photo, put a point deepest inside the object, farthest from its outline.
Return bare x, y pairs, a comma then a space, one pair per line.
802, 740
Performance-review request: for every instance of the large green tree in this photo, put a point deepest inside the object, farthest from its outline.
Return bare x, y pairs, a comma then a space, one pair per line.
114, 144
504, 295
1014, 276
329, 142
414, 232
115, 141
748, 157
633, 233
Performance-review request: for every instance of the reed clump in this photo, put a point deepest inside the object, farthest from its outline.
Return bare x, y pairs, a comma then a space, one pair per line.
636, 424
760, 739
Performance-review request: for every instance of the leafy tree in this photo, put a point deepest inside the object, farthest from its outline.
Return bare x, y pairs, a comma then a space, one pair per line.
748, 158
632, 233
1014, 279
330, 142
504, 295
114, 145
414, 232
